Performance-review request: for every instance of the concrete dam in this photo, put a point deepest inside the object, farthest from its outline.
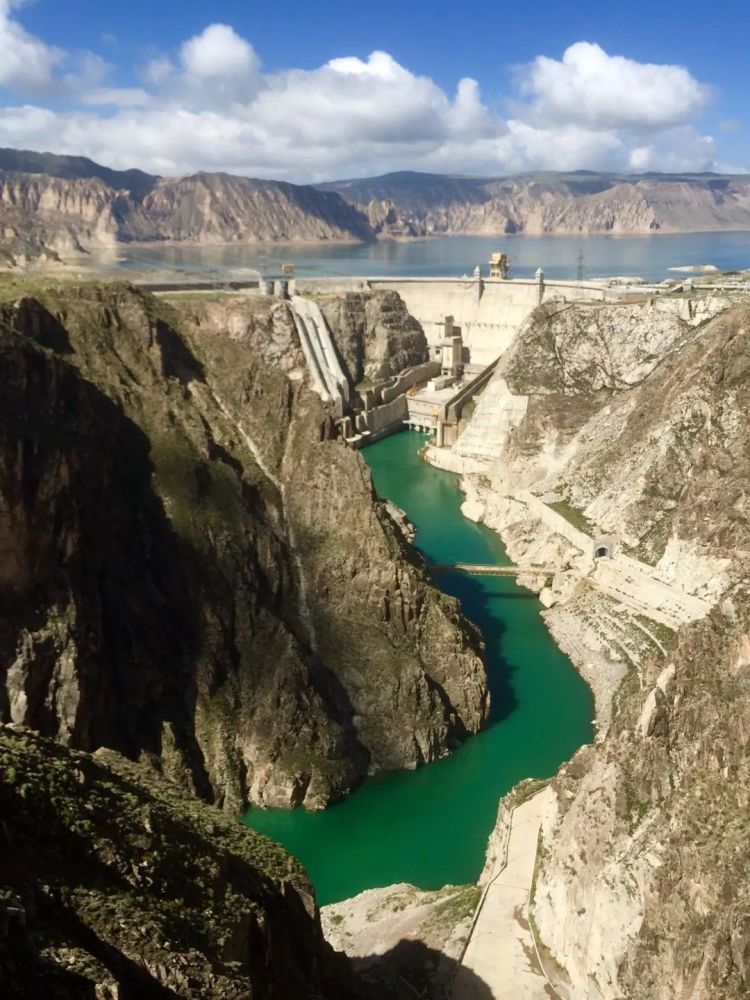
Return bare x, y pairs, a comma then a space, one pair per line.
469, 323
488, 311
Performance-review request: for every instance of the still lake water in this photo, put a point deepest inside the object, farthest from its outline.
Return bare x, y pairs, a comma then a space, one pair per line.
649, 257
430, 827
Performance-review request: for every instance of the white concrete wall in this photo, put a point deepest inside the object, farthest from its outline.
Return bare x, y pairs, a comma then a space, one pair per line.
382, 417
408, 378
488, 324
423, 412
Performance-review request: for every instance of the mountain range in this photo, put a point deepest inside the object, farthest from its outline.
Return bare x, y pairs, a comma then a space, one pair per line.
60, 205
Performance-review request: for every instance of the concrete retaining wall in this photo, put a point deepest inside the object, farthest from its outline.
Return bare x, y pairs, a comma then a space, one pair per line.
629, 581
408, 378
497, 412
383, 418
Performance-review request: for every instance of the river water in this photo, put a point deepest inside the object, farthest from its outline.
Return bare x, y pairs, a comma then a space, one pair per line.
430, 827
649, 257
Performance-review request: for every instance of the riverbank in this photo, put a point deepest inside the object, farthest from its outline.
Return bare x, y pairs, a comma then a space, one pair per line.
384, 833
587, 628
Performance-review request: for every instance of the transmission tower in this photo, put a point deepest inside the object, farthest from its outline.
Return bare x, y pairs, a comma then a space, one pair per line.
579, 268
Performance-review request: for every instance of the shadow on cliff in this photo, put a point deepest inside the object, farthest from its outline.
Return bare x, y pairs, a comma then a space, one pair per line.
477, 602
102, 578
413, 971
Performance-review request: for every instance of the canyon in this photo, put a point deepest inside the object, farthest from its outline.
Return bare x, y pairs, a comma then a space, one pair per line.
188, 550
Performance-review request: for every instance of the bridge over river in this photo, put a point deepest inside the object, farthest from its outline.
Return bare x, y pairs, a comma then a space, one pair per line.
489, 569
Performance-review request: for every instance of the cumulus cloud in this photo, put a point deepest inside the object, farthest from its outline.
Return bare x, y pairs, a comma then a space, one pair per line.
210, 105
218, 52
590, 87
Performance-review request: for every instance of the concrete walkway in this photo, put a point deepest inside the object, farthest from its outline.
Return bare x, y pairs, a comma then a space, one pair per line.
500, 962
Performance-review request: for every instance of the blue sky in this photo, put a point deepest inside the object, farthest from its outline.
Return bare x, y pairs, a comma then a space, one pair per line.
290, 89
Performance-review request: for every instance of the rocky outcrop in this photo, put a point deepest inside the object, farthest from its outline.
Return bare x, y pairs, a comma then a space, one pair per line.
374, 333
401, 939
633, 421
114, 884
194, 571
645, 855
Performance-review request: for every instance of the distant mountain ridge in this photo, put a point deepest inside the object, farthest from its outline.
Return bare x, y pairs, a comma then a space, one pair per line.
579, 202
51, 204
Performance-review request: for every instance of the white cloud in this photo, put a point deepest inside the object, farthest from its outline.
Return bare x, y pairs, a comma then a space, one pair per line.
590, 87
210, 106
26, 62
567, 147
675, 151
158, 71
218, 52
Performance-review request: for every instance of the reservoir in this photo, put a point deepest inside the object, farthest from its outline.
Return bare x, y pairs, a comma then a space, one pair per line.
430, 827
649, 257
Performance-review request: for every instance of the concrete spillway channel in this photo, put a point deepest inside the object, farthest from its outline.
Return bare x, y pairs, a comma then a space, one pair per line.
328, 376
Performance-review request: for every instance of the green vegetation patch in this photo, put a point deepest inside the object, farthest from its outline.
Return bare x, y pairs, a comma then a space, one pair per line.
574, 516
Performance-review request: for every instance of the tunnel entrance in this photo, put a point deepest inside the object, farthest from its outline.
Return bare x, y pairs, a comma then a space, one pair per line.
602, 552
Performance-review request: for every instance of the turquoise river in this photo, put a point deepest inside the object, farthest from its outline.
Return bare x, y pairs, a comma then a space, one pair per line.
430, 827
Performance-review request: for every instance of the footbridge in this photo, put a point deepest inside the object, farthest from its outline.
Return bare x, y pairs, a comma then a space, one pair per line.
489, 569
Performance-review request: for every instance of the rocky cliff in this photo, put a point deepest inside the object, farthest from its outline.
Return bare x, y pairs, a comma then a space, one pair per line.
219, 208
194, 571
632, 423
627, 422
374, 333
80, 209
413, 204
114, 884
